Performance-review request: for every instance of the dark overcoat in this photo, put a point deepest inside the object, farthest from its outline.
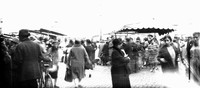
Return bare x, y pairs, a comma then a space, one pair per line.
168, 65
119, 70
28, 55
90, 51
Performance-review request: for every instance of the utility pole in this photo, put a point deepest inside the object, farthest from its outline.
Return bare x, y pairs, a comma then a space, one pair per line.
100, 35
1, 21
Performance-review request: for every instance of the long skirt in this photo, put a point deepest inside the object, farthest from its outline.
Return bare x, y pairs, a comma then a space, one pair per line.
120, 77
78, 71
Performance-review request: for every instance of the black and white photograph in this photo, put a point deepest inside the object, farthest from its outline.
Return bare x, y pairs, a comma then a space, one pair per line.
99, 44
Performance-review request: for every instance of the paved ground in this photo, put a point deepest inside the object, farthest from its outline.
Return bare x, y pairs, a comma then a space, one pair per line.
101, 78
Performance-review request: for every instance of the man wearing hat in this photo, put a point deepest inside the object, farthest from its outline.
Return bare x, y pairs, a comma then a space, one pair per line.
27, 57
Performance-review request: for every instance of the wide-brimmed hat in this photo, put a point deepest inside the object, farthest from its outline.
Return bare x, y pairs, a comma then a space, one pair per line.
24, 33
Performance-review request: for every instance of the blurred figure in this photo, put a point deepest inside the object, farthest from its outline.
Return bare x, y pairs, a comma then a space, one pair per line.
150, 38
128, 48
140, 52
53, 71
68, 48
189, 44
42, 44
137, 48
76, 61
101, 45
90, 50
195, 58
162, 43
152, 52
168, 56
5, 64
119, 66
14, 43
105, 54
94, 45
83, 43
71, 43
27, 58
145, 56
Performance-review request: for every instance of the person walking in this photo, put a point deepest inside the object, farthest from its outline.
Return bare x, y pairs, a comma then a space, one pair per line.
28, 55
76, 61
168, 56
119, 66
195, 58
90, 51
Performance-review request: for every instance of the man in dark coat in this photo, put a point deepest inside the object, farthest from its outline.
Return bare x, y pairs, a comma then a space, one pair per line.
27, 57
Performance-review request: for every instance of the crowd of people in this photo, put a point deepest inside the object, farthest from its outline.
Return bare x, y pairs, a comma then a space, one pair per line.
167, 52
141, 52
23, 55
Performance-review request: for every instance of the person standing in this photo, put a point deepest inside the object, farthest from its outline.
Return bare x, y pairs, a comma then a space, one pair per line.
6, 64
195, 58
105, 53
28, 55
119, 66
128, 48
53, 71
168, 56
13, 45
136, 50
100, 48
76, 61
94, 45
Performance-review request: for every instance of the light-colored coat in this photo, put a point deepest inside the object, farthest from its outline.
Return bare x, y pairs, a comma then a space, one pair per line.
78, 62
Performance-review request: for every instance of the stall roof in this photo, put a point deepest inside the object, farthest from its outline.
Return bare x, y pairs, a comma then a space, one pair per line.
52, 32
160, 31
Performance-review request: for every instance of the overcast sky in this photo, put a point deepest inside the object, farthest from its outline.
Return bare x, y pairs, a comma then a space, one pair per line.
85, 18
